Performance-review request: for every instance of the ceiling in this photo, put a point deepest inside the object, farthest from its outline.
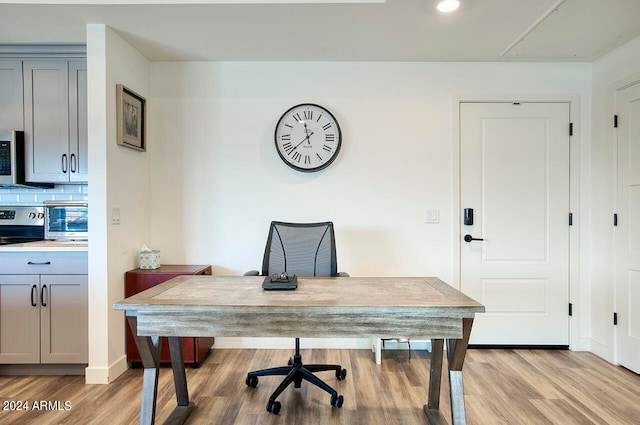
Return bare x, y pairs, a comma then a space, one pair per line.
335, 30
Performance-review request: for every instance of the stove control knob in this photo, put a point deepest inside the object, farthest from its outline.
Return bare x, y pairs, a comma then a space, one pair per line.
40, 215
32, 215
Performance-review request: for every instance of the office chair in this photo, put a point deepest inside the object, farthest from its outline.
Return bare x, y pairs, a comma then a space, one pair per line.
303, 249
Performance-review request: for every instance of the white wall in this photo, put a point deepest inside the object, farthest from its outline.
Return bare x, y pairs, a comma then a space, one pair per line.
609, 73
218, 181
119, 178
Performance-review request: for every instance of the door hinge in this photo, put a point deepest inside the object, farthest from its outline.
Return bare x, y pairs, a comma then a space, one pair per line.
570, 309
615, 219
570, 129
615, 319
570, 219
615, 121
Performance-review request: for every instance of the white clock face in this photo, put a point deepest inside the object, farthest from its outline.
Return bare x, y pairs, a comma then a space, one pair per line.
308, 137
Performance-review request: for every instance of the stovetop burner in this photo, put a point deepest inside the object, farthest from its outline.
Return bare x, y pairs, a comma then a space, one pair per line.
20, 224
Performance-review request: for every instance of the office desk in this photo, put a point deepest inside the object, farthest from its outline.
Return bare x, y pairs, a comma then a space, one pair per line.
374, 307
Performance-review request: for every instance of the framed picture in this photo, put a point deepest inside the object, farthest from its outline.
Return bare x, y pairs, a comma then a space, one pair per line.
132, 119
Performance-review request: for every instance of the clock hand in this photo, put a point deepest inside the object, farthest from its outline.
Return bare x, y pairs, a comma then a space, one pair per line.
306, 130
306, 138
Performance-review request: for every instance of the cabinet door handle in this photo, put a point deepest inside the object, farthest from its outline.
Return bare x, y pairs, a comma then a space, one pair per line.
73, 162
44, 263
64, 163
42, 302
34, 292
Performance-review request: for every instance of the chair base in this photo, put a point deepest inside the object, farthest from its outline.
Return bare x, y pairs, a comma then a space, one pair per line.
295, 373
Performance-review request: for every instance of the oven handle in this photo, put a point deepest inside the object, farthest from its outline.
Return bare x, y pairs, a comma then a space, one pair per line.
34, 290
44, 263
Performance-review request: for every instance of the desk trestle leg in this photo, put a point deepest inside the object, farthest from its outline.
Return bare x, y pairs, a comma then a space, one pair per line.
149, 349
184, 407
456, 351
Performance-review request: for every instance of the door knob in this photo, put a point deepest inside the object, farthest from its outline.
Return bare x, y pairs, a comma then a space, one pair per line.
469, 238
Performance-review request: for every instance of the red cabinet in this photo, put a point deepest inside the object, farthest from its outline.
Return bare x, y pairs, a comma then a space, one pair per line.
137, 280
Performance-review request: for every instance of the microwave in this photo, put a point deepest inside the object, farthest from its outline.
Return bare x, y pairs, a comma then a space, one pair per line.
66, 220
11, 157
12, 161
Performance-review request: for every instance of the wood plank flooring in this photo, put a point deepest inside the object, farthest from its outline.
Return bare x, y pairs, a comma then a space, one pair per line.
502, 387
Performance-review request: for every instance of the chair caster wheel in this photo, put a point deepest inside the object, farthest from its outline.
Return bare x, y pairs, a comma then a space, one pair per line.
341, 374
273, 407
252, 381
337, 401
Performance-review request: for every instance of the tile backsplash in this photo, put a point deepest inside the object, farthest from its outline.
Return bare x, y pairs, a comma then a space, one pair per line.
36, 196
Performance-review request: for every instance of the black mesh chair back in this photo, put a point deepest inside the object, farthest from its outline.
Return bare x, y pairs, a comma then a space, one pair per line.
303, 249
306, 250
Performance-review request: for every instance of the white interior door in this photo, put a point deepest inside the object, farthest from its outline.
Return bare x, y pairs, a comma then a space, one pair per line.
628, 229
514, 174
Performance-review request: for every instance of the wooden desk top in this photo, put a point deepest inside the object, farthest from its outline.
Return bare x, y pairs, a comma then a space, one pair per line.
427, 295
381, 307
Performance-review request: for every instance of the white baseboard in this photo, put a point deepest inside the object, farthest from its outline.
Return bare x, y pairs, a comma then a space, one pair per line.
105, 375
601, 350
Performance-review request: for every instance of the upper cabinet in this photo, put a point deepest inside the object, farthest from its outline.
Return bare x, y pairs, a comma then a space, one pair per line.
11, 95
55, 120
78, 136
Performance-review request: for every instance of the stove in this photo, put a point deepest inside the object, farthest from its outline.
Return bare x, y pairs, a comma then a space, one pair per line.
21, 224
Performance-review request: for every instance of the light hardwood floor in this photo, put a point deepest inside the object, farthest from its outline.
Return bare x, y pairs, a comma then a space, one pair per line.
501, 386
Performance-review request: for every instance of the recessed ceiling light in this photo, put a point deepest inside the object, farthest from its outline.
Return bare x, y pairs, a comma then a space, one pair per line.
448, 5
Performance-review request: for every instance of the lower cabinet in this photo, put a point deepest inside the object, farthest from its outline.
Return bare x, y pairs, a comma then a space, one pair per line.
44, 317
194, 349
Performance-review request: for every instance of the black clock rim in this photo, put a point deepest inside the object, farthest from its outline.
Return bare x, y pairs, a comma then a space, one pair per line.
323, 166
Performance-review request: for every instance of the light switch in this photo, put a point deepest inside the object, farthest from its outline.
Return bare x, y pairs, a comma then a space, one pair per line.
432, 216
115, 215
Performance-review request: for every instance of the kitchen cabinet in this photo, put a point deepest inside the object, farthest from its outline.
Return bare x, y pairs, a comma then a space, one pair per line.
43, 308
55, 120
11, 105
194, 349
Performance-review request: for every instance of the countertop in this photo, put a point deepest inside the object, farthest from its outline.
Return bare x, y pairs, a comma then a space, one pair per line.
61, 246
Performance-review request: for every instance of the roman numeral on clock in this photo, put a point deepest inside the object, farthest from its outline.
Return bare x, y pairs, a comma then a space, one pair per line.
330, 137
296, 156
327, 148
307, 159
285, 137
326, 126
288, 147
308, 115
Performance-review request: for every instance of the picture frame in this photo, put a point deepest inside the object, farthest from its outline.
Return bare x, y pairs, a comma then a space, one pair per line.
131, 110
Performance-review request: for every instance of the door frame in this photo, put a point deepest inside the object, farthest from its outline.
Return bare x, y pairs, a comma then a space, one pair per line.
576, 342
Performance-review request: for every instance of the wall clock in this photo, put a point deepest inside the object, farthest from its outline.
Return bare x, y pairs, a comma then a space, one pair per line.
308, 137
